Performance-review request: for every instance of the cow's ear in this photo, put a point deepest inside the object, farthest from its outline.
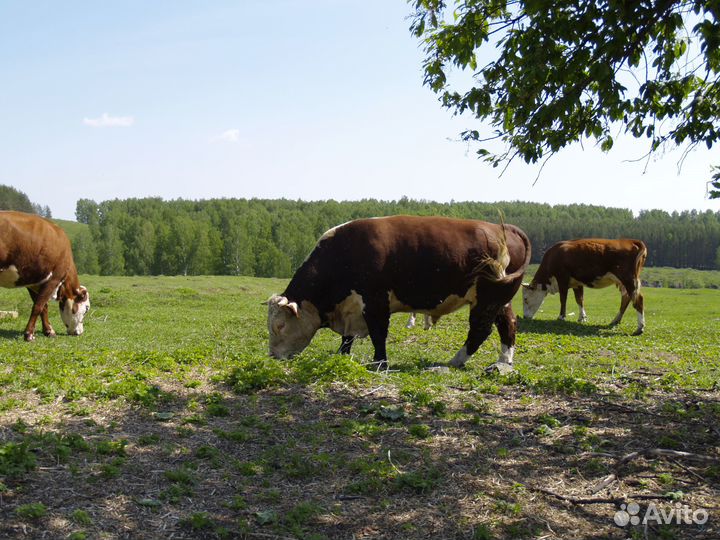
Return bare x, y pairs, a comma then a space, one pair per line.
81, 294
292, 306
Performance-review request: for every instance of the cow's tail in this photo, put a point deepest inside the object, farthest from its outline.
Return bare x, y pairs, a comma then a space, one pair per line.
639, 263
494, 268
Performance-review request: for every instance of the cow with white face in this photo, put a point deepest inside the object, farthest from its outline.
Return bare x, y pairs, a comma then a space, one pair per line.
363, 271
73, 309
594, 263
36, 254
290, 333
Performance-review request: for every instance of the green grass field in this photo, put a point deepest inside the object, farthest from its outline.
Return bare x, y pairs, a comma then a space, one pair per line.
166, 418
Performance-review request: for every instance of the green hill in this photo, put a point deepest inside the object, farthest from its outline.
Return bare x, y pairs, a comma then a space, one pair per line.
71, 228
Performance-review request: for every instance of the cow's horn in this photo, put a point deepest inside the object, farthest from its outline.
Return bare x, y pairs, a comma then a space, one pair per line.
292, 306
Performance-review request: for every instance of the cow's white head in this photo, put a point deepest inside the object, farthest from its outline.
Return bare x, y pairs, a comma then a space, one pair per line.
291, 327
533, 296
73, 309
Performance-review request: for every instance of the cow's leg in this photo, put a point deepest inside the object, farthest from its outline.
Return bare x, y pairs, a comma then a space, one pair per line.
506, 324
639, 305
346, 344
581, 304
47, 328
40, 301
624, 303
481, 321
411, 321
428, 322
377, 319
563, 290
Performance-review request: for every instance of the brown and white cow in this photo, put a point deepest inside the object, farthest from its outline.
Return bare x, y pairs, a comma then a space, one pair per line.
590, 262
363, 271
35, 253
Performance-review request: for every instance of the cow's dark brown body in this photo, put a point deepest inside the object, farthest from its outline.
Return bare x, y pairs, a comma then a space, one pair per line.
35, 253
594, 263
429, 265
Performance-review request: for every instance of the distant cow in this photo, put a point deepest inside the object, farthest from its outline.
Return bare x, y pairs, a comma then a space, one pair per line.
361, 272
594, 263
35, 253
429, 321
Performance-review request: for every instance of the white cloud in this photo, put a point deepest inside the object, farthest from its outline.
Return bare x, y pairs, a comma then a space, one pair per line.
109, 121
229, 135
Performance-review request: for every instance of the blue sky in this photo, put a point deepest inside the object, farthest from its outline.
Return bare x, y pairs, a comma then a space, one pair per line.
272, 98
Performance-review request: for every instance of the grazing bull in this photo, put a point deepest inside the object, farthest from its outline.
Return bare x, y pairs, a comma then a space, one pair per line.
35, 253
361, 272
594, 263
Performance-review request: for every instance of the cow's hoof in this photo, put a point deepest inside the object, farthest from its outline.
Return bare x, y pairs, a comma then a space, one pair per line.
438, 369
583, 319
29, 337
638, 332
378, 366
51, 333
501, 368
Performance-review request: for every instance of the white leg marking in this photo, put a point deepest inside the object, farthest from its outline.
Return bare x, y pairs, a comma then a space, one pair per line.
506, 354
411, 321
583, 315
641, 323
460, 358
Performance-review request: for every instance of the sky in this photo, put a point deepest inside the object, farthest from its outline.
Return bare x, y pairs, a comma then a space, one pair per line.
307, 100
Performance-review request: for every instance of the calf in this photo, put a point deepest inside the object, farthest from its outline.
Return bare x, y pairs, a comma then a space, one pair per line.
361, 272
36, 254
594, 263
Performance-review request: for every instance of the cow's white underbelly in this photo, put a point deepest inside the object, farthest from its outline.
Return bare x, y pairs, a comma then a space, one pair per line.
347, 317
9, 277
598, 283
601, 282
450, 304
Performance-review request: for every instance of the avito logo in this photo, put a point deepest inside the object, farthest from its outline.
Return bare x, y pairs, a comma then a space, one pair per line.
629, 514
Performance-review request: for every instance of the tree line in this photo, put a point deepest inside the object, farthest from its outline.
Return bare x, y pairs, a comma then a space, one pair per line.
264, 238
13, 199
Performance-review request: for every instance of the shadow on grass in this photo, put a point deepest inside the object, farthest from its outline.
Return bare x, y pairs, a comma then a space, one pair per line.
347, 459
6, 333
574, 328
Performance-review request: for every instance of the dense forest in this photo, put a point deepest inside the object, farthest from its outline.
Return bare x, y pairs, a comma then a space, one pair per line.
272, 237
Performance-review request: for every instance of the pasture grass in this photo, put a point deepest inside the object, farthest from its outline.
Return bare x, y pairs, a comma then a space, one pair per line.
167, 418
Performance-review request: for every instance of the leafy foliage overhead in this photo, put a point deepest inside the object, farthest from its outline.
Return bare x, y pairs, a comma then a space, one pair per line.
567, 70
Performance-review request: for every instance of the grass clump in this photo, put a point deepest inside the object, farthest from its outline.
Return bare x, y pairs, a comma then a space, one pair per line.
327, 369
16, 459
31, 511
256, 374
81, 517
419, 431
